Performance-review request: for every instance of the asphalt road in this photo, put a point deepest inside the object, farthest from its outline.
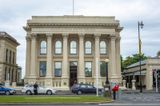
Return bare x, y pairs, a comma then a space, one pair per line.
112, 104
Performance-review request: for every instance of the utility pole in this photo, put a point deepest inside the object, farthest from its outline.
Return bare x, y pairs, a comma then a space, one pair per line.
140, 24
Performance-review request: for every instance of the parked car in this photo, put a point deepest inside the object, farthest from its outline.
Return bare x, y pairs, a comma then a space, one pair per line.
7, 91
29, 90
84, 88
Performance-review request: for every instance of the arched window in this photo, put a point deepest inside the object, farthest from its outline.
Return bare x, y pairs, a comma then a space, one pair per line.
58, 47
43, 47
103, 48
73, 47
88, 47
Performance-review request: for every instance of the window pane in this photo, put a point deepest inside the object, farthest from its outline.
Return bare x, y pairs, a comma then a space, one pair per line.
42, 69
43, 47
103, 47
73, 47
103, 51
88, 47
58, 69
58, 51
88, 51
58, 47
88, 69
103, 69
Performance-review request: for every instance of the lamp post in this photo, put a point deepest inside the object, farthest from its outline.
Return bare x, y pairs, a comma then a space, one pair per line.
107, 85
140, 25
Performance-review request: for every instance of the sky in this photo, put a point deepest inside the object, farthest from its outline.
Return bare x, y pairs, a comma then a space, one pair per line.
15, 13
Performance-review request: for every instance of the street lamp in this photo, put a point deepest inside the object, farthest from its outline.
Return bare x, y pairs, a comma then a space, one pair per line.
107, 85
140, 25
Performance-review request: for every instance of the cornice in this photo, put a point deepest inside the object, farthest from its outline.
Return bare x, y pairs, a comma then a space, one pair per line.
72, 24
13, 65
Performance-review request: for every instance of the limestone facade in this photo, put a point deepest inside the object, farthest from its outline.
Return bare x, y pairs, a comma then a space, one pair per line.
62, 50
8, 66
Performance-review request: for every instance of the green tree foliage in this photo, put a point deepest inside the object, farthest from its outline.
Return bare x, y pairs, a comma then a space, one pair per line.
131, 59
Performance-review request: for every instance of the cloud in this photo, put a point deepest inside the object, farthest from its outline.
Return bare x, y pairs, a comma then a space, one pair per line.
14, 15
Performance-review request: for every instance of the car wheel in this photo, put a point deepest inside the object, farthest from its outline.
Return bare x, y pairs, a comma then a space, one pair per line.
79, 92
7, 93
49, 92
28, 92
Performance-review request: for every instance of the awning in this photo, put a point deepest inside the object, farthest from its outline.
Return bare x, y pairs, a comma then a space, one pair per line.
136, 73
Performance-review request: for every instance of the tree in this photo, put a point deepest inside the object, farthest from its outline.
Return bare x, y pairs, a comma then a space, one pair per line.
131, 60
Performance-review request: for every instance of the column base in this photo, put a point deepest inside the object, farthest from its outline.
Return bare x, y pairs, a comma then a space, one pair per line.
100, 80
116, 79
48, 82
65, 83
81, 80
30, 81
7, 83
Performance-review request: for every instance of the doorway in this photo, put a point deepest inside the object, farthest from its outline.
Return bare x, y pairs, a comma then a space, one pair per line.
73, 73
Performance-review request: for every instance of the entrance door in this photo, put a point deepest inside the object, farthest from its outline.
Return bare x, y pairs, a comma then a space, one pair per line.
73, 72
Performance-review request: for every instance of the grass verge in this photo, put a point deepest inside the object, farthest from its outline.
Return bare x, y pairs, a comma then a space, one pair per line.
53, 99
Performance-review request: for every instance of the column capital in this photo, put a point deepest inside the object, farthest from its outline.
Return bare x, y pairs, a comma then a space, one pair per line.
112, 35
81, 35
97, 35
113, 38
33, 35
28, 38
49, 35
65, 35
119, 38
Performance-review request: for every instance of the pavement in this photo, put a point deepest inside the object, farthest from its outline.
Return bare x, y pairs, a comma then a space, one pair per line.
133, 97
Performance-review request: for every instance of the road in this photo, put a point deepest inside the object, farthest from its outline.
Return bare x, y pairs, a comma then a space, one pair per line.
112, 104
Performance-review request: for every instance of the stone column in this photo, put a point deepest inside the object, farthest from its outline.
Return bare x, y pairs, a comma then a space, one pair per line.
33, 59
118, 61
81, 73
65, 72
149, 78
97, 57
124, 83
113, 60
48, 79
133, 84
28, 55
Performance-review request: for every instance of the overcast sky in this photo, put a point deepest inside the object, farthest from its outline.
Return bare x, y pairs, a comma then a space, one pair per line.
14, 14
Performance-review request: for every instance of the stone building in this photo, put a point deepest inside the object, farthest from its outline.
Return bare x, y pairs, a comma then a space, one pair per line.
8, 66
148, 69
62, 50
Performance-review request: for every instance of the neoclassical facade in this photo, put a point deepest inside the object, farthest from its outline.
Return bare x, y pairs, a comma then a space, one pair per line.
62, 50
8, 65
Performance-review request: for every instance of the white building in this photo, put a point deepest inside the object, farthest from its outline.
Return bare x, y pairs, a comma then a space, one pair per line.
64, 49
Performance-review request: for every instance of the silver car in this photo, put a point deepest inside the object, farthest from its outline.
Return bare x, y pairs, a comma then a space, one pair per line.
29, 90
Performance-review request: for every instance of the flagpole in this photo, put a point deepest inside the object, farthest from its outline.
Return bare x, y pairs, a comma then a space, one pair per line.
73, 8
139, 40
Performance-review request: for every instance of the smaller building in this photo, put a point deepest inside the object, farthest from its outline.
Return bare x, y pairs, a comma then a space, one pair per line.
8, 66
148, 68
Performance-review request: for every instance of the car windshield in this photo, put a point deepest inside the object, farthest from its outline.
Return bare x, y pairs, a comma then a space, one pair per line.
90, 86
83, 86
